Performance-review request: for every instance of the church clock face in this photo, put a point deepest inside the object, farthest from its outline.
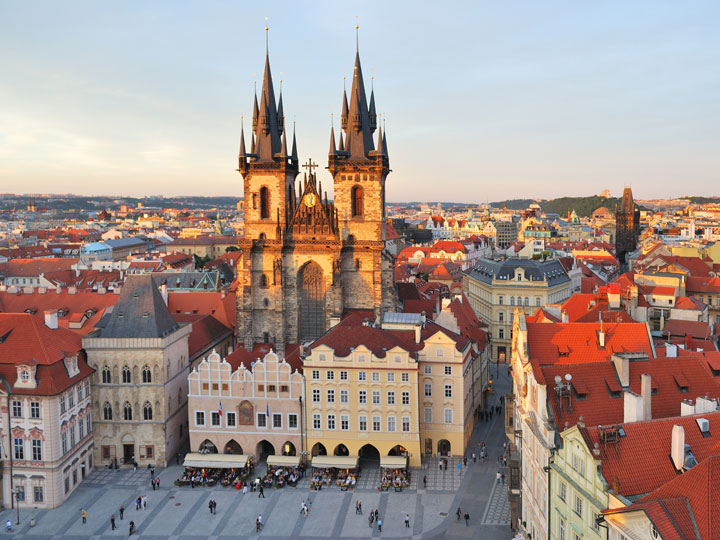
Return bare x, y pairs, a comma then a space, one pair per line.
310, 200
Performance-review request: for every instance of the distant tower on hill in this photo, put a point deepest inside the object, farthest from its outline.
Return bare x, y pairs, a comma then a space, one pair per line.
627, 226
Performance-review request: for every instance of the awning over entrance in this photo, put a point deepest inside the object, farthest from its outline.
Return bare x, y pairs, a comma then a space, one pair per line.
339, 462
393, 462
284, 461
216, 461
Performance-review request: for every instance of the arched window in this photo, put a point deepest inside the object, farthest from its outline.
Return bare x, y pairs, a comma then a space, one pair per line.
527, 301
127, 411
263, 281
264, 203
107, 411
146, 375
106, 377
147, 411
126, 374
357, 201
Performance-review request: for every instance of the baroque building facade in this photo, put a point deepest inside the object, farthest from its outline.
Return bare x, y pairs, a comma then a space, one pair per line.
307, 259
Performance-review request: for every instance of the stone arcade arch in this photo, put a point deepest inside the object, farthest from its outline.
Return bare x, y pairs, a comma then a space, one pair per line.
233, 447
319, 449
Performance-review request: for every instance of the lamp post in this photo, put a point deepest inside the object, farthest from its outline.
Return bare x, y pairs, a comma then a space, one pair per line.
17, 503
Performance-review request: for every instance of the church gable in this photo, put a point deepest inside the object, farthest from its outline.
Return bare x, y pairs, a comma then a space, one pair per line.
312, 216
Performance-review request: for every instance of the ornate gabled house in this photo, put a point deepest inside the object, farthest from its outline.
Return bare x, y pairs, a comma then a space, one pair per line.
307, 259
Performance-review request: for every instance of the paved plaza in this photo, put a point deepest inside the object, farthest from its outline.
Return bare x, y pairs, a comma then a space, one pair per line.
182, 513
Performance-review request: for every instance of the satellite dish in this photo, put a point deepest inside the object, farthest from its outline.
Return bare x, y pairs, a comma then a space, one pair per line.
558, 379
568, 377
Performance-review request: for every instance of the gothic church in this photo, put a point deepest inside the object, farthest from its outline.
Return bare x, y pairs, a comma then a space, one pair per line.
307, 259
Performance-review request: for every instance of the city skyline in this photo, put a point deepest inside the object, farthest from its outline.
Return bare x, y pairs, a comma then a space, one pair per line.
565, 100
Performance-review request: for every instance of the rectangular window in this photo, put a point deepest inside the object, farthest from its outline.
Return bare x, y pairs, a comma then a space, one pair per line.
391, 397
79, 392
390, 377
344, 396
343, 375
316, 421
316, 374
376, 397
362, 423
331, 395
501, 300
344, 422
563, 491
292, 421
261, 420
376, 376
331, 421
62, 404
63, 438
19, 448
362, 397
391, 423
362, 376
428, 415
537, 301
72, 436
562, 530
427, 369
406, 424
271, 387
501, 316
578, 505
448, 370
428, 389
277, 420
230, 419
17, 409
199, 418
448, 390
149, 451
71, 400
376, 423
330, 375
448, 416
405, 377
283, 388
316, 395
439, 351
37, 450
406, 398
88, 423
35, 409
501, 333
38, 494
215, 419
81, 427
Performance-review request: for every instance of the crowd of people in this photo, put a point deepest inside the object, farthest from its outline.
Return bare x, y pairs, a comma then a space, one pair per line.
344, 478
282, 476
396, 478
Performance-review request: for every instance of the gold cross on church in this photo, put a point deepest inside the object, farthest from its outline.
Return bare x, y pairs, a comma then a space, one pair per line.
310, 166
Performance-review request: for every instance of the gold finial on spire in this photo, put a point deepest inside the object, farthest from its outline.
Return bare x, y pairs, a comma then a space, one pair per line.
357, 35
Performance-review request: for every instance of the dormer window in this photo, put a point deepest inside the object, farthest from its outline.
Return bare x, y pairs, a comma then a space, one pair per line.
24, 375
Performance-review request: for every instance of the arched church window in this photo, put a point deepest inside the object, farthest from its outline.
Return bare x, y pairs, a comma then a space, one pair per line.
263, 281
146, 375
107, 411
264, 203
357, 201
126, 374
147, 411
127, 411
106, 377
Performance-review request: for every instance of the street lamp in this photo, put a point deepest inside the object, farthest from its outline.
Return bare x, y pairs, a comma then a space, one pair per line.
17, 503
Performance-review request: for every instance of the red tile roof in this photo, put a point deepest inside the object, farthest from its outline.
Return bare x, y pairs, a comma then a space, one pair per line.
216, 303
640, 461
702, 285
206, 332
574, 343
35, 267
678, 327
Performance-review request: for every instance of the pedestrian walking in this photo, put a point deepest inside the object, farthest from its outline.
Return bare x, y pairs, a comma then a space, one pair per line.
132, 528
425, 481
157, 481
138, 502
261, 492
459, 469
467, 519
458, 513
152, 484
497, 477
473, 457
112, 522
122, 511
245, 489
503, 478
360, 507
144, 502
377, 514
84, 516
379, 525
259, 523
407, 521
465, 461
371, 518
210, 506
214, 506
152, 472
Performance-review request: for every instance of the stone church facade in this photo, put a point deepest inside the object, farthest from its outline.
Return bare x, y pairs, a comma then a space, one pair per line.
307, 259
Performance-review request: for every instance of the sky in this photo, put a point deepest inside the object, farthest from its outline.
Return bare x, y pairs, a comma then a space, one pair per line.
483, 101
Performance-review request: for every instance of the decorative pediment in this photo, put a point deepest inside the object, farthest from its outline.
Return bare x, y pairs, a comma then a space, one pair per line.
310, 214
25, 376
71, 365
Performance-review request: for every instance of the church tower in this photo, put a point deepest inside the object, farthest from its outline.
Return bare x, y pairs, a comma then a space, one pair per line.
359, 167
627, 227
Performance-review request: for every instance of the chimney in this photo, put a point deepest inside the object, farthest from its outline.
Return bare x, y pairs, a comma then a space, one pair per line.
417, 333
164, 293
686, 408
601, 339
646, 393
671, 350
677, 448
632, 407
622, 367
51, 319
705, 405
423, 317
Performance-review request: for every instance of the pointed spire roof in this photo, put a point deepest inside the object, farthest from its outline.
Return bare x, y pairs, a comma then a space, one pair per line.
341, 148
283, 147
333, 150
253, 145
280, 114
627, 204
384, 144
294, 154
267, 131
380, 139
359, 141
345, 109
256, 112
242, 141
372, 112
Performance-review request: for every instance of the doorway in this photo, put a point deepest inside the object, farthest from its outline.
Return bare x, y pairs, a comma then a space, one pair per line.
128, 453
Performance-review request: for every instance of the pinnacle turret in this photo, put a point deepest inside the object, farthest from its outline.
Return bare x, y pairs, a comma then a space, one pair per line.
294, 154
372, 113
333, 149
344, 116
268, 128
280, 115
